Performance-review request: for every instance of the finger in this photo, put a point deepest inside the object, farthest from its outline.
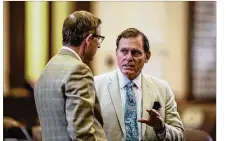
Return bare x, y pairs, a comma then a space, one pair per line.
153, 112
142, 120
149, 112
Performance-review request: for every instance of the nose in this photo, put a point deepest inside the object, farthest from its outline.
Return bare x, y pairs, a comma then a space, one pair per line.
129, 56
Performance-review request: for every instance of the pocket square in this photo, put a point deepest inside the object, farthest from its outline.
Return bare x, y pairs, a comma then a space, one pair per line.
156, 105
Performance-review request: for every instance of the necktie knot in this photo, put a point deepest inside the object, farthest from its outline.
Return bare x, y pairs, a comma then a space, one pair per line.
130, 84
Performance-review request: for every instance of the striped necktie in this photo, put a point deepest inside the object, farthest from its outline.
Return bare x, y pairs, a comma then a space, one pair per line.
130, 115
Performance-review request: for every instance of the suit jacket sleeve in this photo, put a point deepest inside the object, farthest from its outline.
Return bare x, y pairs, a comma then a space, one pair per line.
173, 124
80, 100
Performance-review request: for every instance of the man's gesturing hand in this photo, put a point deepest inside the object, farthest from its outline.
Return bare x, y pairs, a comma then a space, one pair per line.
153, 120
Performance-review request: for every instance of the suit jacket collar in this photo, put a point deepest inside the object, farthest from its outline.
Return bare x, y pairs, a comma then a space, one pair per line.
148, 98
65, 51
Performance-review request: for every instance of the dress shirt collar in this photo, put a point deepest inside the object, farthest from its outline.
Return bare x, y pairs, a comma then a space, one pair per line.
69, 49
123, 80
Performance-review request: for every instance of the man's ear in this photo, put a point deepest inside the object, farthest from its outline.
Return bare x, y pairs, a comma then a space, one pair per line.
88, 38
148, 56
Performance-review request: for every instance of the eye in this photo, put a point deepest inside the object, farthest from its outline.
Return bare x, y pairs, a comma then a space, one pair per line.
136, 53
124, 51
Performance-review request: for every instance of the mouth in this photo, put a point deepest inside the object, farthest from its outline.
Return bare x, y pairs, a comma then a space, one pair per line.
128, 66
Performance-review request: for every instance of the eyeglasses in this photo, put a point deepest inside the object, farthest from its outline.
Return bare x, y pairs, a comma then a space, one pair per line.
99, 37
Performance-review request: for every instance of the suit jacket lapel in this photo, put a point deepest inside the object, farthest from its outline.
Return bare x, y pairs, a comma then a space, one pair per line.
147, 100
114, 92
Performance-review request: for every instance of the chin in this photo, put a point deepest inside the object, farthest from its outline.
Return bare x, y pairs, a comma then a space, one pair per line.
89, 59
131, 74
128, 73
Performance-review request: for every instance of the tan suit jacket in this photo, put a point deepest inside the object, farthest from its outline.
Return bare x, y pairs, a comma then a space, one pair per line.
66, 101
153, 89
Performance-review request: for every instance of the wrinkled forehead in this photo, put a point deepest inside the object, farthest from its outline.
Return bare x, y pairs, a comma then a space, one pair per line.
131, 42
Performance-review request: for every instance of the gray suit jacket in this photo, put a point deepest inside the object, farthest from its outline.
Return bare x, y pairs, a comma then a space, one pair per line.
153, 89
66, 101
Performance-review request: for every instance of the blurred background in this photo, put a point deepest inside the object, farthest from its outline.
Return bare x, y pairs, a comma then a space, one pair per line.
182, 37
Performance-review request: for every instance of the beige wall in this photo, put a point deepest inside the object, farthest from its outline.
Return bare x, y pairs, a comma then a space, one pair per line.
176, 71
165, 25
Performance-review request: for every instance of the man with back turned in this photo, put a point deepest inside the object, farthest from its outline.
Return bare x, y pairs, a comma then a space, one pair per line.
65, 95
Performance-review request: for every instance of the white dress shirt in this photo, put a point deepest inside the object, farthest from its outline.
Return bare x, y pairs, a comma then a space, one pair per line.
123, 80
67, 48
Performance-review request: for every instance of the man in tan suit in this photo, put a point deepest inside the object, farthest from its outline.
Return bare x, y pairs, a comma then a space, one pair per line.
65, 95
136, 106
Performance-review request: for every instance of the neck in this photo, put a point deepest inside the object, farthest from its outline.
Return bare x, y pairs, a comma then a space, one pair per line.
132, 77
79, 50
